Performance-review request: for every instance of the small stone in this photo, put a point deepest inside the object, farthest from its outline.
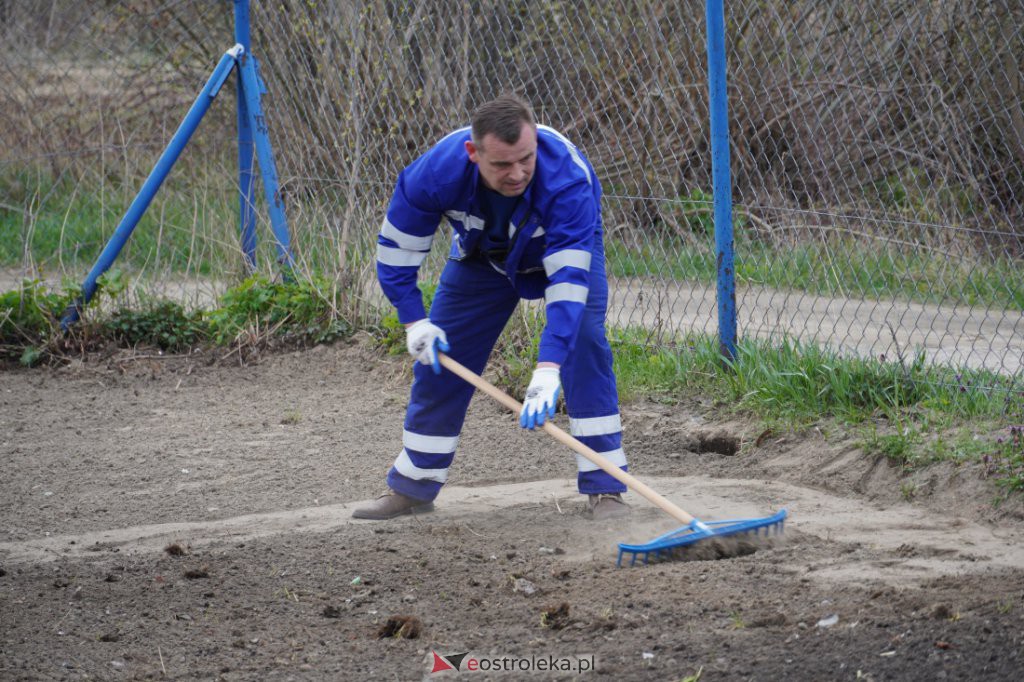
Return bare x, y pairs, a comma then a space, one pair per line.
524, 586
828, 621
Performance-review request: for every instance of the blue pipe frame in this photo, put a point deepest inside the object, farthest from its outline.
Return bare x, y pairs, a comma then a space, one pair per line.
253, 140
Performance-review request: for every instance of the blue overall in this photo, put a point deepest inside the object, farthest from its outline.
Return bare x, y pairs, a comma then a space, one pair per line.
554, 250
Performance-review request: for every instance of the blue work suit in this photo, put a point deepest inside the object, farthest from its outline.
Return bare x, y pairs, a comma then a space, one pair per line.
554, 250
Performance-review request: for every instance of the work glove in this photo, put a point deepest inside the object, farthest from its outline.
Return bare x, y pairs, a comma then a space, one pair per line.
424, 339
541, 397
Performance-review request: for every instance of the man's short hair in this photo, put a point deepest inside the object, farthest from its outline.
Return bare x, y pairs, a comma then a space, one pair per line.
502, 117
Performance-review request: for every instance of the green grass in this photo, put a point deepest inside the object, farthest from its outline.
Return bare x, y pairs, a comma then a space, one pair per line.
909, 412
63, 224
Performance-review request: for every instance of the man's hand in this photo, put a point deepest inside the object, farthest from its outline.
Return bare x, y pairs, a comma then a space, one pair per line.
541, 397
424, 339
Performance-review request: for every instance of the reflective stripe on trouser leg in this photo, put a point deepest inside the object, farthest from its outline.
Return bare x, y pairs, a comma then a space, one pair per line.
591, 396
472, 306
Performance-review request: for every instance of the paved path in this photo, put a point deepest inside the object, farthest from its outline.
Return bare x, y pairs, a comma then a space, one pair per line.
976, 337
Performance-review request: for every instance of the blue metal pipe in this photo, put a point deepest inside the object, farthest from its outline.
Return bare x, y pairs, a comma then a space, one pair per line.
719, 110
246, 148
149, 188
253, 87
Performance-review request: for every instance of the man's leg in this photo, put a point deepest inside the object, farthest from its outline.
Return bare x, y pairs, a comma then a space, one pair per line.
472, 305
591, 395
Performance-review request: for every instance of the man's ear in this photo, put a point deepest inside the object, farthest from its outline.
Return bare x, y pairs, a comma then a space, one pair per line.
472, 151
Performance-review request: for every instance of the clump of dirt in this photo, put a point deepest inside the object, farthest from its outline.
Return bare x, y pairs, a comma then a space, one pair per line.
197, 573
719, 443
556, 617
715, 549
174, 549
401, 627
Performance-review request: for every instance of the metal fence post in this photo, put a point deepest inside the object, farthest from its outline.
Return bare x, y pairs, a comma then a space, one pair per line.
246, 148
719, 113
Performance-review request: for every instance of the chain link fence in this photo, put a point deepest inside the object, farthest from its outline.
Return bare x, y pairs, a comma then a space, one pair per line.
877, 148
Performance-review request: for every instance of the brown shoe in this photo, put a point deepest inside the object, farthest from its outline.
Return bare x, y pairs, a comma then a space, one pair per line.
607, 506
392, 504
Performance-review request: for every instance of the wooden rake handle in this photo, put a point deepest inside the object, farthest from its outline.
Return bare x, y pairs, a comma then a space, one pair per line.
561, 436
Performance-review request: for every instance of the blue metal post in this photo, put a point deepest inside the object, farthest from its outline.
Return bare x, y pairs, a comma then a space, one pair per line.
719, 110
246, 148
149, 188
252, 86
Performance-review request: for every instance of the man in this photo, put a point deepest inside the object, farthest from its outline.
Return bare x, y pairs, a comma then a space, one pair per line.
525, 207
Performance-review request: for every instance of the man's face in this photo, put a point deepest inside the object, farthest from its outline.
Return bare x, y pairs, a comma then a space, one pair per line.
506, 168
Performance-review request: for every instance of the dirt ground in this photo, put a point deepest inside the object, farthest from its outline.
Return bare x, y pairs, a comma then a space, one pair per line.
189, 518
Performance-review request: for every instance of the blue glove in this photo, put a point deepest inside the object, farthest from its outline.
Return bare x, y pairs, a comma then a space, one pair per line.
541, 397
424, 339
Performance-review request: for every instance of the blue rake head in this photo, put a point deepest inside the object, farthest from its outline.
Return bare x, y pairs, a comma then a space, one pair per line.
700, 530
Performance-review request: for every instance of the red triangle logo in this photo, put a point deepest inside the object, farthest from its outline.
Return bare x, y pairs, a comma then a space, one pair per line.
440, 664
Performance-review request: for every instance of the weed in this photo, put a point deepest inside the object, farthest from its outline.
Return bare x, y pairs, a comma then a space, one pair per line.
163, 324
908, 489
29, 320
1006, 463
257, 310
291, 417
899, 447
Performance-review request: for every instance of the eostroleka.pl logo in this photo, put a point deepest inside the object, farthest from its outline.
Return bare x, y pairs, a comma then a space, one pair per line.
465, 662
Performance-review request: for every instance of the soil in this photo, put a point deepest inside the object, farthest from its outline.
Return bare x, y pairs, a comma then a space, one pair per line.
169, 517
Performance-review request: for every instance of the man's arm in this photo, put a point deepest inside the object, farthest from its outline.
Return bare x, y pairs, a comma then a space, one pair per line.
567, 257
404, 241
571, 227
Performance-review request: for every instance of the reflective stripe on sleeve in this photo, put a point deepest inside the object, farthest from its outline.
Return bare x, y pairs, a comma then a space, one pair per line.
569, 258
574, 293
405, 241
389, 255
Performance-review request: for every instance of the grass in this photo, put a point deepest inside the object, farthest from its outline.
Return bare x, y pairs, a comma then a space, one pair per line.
908, 412
62, 224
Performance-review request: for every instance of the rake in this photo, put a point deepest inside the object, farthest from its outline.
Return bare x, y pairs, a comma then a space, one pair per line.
662, 546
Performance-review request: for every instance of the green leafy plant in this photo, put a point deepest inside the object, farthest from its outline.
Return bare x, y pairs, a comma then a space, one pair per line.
29, 319
258, 309
164, 324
